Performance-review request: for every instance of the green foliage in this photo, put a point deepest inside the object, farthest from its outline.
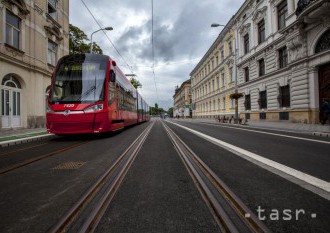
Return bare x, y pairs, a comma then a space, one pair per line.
136, 83
155, 110
78, 42
170, 111
236, 96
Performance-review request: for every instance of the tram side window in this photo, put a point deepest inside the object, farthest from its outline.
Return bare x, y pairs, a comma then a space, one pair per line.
111, 93
120, 98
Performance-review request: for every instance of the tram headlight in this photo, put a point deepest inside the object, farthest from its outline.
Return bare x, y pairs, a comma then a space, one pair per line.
94, 108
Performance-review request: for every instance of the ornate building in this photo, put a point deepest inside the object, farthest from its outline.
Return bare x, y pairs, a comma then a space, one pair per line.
284, 59
182, 100
33, 36
213, 79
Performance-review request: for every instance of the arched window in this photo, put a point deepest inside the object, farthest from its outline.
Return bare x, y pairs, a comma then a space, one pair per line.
324, 42
11, 81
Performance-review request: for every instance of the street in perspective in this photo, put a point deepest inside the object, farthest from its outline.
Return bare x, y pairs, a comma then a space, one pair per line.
165, 116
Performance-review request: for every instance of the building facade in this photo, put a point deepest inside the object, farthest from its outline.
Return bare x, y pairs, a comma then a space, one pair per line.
282, 65
213, 79
33, 36
283, 60
182, 100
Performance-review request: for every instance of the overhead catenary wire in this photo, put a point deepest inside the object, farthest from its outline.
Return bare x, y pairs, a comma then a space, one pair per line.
129, 67
153, 47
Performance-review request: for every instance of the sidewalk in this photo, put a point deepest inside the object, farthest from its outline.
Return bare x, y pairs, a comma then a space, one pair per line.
17, 136
315, 129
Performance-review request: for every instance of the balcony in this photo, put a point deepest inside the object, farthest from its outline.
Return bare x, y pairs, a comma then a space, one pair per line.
312, 11
302, 5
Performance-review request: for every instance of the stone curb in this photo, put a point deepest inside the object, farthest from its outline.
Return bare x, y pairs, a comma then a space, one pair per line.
24, 140
321, 134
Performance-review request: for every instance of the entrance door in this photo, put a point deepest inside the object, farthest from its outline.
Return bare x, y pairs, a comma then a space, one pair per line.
11, 108
5, 108
10, 103
324, 84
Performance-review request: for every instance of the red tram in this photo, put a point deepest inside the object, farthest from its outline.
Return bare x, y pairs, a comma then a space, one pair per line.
90, 94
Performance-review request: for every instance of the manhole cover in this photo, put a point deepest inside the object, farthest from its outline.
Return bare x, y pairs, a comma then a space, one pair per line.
69, 165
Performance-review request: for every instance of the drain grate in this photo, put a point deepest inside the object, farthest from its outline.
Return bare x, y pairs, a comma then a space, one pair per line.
73, 165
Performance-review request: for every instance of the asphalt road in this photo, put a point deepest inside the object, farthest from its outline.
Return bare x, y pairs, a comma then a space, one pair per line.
157, 194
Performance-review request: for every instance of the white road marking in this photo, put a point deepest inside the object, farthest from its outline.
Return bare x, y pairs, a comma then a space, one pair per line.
274, 134
324, 185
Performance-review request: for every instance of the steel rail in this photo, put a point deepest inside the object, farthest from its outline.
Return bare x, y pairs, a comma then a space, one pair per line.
246, 215
25, 148
100, 208
65, 222
41, 157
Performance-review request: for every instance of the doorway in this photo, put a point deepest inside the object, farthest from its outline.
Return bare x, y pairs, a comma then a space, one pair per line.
324, 85
10, 102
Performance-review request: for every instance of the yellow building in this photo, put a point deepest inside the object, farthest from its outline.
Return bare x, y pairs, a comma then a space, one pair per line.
33, 36
213, 79
182, 100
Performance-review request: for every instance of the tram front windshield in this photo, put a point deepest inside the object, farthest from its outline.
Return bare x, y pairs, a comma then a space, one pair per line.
79, 80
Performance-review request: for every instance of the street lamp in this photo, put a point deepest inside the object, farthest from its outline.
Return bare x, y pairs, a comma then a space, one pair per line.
236, 86
214, 25
106, 28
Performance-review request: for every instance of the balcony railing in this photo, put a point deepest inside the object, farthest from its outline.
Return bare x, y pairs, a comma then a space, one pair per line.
302, 5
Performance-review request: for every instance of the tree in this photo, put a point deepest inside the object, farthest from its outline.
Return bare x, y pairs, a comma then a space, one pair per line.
78, 42
170, 111
155, 110
136, 83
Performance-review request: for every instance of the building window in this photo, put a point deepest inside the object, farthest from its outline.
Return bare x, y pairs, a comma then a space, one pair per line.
218, 82
230, 46
284, 96
262, 99
247, 102
246, 44
223, 79
52, 53
213, 85
217, 60
212, 64
262, 116
283, 57
52, 8
222, 55
261, 67
282, 9
12, 29
232, 103
224, 103
246, 74
261, 31
323, 43
284, 116
231, 74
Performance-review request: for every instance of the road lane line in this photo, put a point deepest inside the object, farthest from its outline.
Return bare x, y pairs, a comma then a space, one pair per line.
314, 181
274, 134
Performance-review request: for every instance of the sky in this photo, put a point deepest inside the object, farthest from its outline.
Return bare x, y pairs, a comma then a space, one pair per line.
181, 36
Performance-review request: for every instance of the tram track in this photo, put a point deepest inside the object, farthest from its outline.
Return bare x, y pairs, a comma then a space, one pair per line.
86, 213
22, 149
231, 214
24, 163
